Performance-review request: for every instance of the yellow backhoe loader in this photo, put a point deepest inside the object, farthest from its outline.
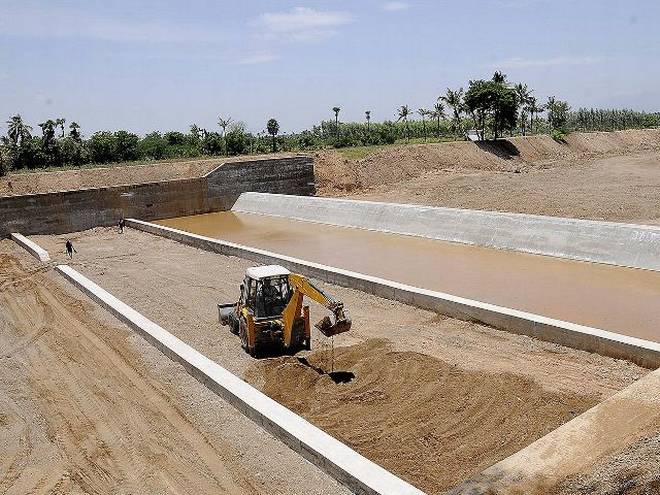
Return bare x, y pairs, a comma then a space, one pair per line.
269, 312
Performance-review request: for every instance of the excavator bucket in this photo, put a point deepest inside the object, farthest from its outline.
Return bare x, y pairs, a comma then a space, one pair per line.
334, 326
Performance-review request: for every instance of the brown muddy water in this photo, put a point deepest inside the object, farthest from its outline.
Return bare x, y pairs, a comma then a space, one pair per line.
622, 300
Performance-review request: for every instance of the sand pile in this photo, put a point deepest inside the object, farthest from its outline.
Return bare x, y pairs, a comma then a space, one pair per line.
433, 425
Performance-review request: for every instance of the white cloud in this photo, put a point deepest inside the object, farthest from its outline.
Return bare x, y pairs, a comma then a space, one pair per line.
258, 58
395, 6
303, 23
48, 22
521, 63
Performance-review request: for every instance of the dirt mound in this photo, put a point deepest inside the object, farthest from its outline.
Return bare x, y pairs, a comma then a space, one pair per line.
391, 165
433, 425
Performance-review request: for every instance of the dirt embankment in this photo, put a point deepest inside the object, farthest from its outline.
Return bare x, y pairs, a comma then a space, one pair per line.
432, 398
86, 406
113, 175
603, 175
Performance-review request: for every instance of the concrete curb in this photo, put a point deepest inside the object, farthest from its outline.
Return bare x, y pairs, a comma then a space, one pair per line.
629, 245
342, 463
32, 247
639, 351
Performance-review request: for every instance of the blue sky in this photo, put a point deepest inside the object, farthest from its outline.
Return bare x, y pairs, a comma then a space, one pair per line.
160, 65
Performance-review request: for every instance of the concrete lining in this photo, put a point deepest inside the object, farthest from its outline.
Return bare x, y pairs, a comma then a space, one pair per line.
348, 467
82, 209
642, 352
629, 245
574, 447
32, 247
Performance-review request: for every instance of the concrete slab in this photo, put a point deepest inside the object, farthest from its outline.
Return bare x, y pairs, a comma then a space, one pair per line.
344, 464
575, 446
629, 245
639, 351
31, 247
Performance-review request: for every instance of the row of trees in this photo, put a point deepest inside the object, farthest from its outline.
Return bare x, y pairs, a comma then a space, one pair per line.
491, 108
61, 145
487, 109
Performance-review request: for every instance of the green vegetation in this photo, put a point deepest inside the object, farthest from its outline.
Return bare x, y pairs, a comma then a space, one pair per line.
489, 109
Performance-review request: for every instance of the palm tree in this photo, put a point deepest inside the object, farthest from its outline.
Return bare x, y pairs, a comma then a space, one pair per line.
498, 77
367, 115
423, 112
336, 110
439, 113
404, 112
273, 128
74, 131
533, 108
60, 123
223, 123
523, 94
17, 130
550, 106
454, 99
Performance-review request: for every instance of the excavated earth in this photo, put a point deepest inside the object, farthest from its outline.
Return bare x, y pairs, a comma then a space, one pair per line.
88, 407
433, 399
601, 175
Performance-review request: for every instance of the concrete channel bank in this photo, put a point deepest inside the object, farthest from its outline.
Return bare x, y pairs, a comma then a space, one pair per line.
639, 351
628, 245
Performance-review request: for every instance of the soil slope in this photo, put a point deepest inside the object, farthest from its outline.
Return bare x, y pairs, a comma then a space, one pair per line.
604, 176
112, 175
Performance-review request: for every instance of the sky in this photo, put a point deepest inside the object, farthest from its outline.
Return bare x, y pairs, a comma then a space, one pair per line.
164, 65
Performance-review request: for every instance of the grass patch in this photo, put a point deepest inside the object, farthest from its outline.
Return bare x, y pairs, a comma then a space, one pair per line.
360, 152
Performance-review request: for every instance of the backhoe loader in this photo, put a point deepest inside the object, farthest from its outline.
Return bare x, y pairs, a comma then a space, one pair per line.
270, 314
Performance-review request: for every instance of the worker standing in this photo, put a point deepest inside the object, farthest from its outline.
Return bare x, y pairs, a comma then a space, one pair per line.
122, 224
70, 249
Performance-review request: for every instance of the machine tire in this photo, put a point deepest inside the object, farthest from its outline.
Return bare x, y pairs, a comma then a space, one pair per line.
242, 332
233, 325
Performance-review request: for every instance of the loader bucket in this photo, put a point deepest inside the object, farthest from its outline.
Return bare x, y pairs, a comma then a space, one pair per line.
335, 326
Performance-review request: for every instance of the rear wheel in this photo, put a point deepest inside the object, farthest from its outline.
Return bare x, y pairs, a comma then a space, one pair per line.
242, 332
233, 325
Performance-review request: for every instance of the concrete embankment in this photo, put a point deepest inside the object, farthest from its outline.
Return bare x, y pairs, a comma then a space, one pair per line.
76, 210
627, 245
581, 337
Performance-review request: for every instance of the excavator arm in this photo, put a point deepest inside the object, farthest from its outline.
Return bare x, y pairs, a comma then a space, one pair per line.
301, 286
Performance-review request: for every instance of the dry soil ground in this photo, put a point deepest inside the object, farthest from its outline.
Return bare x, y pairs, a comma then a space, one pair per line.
433, 399
603, 176
88, 407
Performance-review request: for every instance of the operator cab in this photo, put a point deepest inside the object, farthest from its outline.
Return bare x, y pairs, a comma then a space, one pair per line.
266, 290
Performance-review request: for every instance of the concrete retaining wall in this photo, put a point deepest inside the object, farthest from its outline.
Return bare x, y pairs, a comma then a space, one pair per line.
344, 464
642, 352
71, 211
31, 247
602, 242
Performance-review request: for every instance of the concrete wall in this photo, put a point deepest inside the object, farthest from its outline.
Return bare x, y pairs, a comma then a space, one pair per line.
602, 242
344, 464
642, 352
70, 211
